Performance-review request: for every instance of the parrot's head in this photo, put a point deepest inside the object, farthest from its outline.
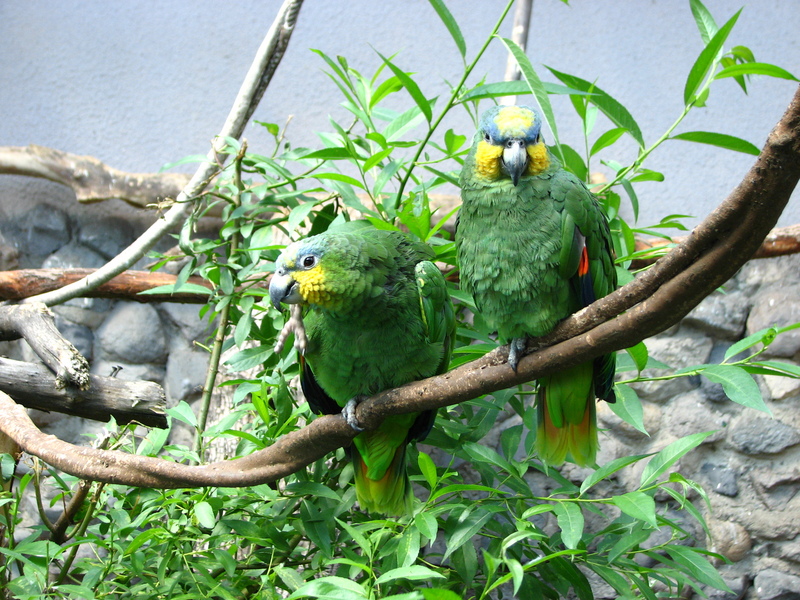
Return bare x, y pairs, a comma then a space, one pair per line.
509, 144
319, 270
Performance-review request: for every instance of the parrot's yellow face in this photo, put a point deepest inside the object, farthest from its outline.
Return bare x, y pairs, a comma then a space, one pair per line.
510, 144
300, 278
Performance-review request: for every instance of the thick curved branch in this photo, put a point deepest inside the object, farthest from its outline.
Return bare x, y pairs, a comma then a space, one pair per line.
654, 301
258, 76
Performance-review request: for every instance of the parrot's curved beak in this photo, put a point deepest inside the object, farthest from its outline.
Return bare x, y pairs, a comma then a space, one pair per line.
515, 159
283, 288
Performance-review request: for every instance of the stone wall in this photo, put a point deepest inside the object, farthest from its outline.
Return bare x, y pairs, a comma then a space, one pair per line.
750, 466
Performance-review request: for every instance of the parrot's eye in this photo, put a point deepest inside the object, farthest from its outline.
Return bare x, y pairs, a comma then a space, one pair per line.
487, 137
309, 261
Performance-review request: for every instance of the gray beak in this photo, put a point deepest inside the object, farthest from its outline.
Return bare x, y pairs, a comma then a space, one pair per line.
283, 288
515, 159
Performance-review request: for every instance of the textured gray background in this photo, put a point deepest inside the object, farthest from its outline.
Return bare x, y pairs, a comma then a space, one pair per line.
142, 83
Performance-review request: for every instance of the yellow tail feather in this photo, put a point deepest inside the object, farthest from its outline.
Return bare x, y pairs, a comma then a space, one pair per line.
391, 494
576, 442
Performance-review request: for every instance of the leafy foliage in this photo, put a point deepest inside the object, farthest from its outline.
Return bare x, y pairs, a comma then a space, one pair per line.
486, 536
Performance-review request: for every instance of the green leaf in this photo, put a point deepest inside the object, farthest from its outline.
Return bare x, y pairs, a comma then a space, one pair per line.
614, 579
609, 469
639, 354
412, 573
470, 524
310, 488
706, 61
329, 154
705, 22
610, 107
428, 469
697, 565
451, 24
570, 521
412, 87
515, 88
670, 455
439, 594
628, 407
290, 577
638, 505
185, 288
721, 140
755, 68
535, 85
205, 515
339, 177
607, 139
376, 158
426, 523
765, 336
331, 587
183, 412
738, 385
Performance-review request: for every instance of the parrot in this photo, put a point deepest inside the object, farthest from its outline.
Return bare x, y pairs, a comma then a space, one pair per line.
533, 246
377, 314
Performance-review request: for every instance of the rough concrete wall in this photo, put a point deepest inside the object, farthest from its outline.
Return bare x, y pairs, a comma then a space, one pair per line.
141, 84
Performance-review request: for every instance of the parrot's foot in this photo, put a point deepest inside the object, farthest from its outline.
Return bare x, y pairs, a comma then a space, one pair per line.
349, 414
294, 324
516, 350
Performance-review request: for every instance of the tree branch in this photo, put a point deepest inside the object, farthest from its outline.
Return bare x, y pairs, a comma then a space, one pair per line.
24, 283
90, 179
263, 67
656, 300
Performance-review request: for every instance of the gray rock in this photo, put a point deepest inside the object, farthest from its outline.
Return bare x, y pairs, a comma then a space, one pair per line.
44, 230
186, 371
73, 255
761, 435
106, 236
721, 478
729, 539
690, 413
772, 584
777, 306
721, 315
186, 318
81, 337
132, 333
714, 391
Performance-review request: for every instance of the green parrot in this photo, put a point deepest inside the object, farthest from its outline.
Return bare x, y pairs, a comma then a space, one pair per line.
533, 248
377, 314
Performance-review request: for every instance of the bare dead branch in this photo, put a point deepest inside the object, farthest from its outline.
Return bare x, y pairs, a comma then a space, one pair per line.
34, 386
24, 283
35, 323
89, 178
656, 300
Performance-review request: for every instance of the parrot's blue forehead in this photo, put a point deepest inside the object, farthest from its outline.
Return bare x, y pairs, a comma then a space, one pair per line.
292, 252
505, 122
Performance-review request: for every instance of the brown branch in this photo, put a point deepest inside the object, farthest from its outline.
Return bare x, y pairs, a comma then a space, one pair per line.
656, 300
90, 179
25, 283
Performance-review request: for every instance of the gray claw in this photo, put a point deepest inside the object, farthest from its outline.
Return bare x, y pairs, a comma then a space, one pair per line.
516, 350
349, 414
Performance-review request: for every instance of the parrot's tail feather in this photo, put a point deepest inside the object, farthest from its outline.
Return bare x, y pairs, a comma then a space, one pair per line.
391, 494
576, 442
